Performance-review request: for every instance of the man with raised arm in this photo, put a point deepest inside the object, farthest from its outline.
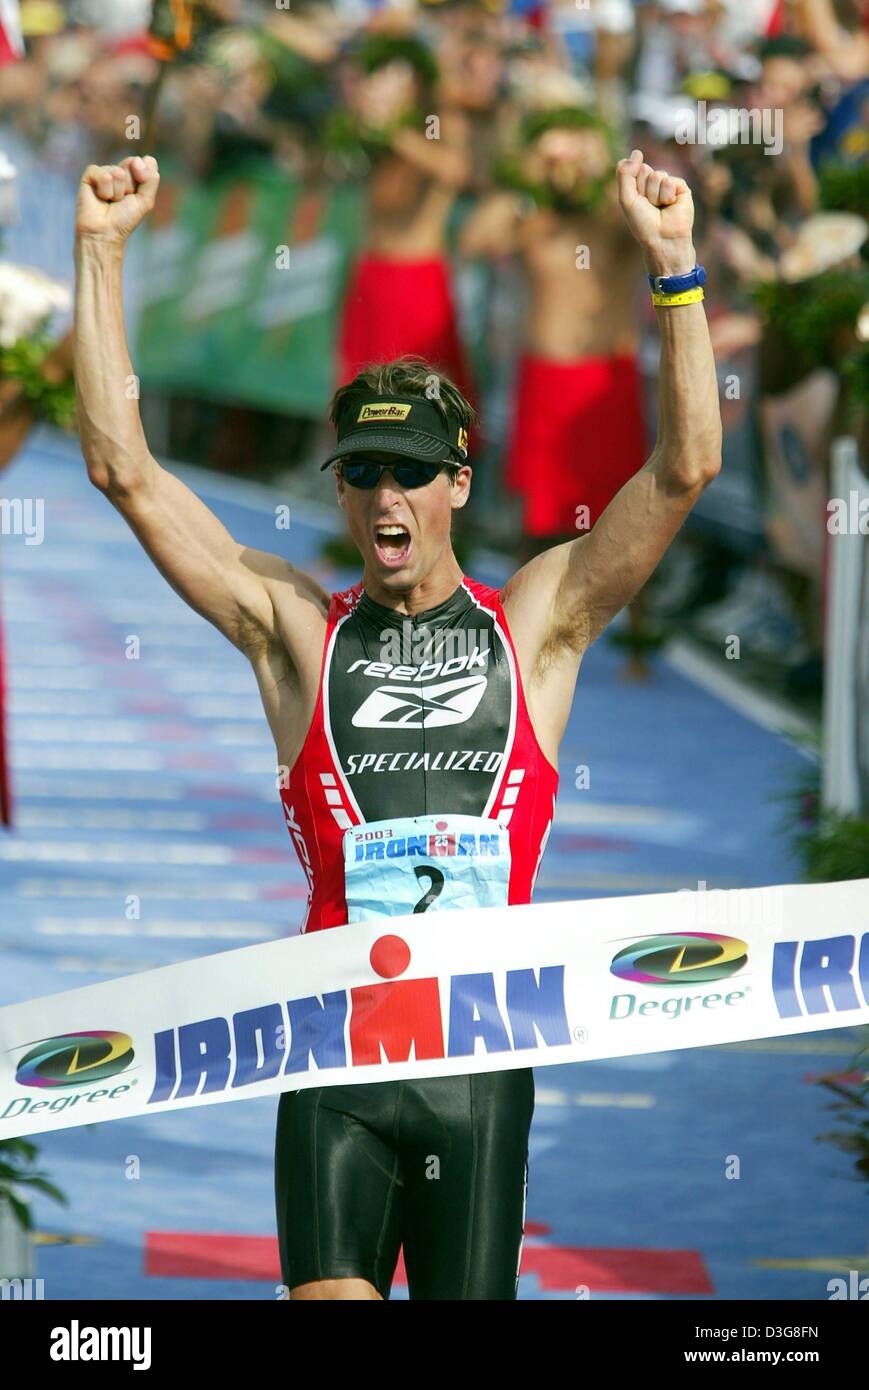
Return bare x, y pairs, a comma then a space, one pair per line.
418, 716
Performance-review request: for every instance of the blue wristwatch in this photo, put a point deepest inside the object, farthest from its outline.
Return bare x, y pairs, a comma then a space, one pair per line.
677, 284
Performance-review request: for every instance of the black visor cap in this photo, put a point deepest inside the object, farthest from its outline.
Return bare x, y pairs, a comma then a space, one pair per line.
408, 425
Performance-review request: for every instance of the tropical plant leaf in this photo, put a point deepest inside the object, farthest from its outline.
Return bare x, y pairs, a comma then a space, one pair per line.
22, 1211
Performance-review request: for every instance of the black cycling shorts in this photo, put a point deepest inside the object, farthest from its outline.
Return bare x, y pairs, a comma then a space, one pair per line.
439, 1166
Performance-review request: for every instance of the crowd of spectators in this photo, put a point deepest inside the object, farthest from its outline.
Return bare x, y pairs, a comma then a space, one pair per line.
761, 105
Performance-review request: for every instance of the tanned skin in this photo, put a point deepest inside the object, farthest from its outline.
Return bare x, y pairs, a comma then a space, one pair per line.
556, 605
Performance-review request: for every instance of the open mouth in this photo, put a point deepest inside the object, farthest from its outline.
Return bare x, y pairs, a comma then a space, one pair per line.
392, 544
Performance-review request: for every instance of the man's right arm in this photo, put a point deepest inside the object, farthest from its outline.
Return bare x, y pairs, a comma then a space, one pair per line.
227, 583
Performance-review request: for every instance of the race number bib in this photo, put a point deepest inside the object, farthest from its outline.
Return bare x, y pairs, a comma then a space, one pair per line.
425, 864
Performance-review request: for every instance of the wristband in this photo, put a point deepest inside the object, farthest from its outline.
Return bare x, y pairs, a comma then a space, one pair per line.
671, 301
676, 284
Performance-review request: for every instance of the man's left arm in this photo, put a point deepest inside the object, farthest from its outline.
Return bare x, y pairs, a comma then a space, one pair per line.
563, 599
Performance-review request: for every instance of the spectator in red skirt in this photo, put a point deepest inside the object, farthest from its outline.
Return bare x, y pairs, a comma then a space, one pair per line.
399, 298
578, 432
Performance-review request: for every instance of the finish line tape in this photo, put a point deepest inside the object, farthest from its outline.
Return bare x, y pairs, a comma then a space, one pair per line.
441, 994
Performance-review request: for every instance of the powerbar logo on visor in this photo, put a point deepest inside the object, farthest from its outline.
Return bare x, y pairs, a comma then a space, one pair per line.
389, 410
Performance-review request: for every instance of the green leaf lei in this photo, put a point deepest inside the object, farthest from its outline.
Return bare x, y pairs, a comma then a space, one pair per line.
22, 362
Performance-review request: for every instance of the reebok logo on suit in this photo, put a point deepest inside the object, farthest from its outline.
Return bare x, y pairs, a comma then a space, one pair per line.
378, 716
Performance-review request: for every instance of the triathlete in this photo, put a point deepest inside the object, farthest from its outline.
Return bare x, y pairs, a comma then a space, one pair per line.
418, 707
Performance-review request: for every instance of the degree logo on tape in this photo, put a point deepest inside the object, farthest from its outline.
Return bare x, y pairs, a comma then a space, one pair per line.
688, 958
75, 1059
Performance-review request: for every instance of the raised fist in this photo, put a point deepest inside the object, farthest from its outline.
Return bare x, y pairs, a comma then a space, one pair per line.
114, 198
659, 210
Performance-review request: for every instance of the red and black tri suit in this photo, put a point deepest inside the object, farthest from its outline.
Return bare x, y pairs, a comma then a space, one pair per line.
416, 718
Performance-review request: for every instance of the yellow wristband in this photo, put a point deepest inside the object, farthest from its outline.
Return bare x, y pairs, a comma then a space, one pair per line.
670, 301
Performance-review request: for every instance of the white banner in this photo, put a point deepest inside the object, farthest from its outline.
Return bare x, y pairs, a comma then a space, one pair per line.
441, 994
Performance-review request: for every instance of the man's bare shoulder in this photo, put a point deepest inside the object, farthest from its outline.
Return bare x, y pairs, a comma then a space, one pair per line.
286, 581
300, 604
543, 626
525, 592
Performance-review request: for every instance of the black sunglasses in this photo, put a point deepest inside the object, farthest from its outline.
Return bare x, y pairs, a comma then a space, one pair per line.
364, 473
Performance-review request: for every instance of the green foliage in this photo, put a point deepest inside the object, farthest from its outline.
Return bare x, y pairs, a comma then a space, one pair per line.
812, 314
17, 1169
461, 549
837, 849
380, 49
833, 848
855, 373
642, 642
341, 552
536, 123
345, 134
844, 188
293, 75
782, 46
830, 846
510, 173
587, 198
53, 401
851, 1107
